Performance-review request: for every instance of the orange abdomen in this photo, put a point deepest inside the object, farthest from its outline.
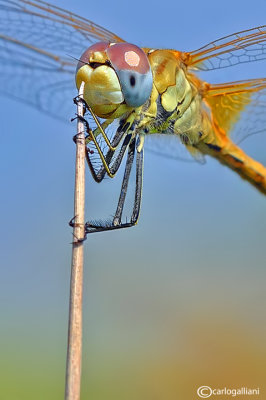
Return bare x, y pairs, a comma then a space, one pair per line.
228, 153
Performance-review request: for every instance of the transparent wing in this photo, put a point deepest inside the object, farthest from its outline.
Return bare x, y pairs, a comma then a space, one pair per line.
241, 47
239, 108
170, 146
44, 87
39, 48
253, 120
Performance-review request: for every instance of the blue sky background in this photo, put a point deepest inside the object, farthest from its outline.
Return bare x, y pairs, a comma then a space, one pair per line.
192, 272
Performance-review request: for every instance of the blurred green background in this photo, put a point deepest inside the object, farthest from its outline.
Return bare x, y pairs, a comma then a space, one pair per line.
170, 305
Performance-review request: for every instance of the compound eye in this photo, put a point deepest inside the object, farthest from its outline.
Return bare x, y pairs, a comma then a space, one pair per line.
133, 70
93, 53
136, 87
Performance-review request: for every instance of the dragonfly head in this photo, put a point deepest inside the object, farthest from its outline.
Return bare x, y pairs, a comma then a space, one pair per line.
117, 76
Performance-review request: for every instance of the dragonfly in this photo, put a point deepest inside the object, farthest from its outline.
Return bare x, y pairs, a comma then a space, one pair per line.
131, 93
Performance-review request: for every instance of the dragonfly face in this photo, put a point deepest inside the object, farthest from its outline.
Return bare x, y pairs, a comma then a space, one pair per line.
117, 78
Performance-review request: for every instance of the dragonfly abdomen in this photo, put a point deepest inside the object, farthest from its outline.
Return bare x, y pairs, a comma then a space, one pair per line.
232, 156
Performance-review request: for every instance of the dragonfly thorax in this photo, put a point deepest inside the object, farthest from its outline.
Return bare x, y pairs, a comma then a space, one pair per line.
175, 104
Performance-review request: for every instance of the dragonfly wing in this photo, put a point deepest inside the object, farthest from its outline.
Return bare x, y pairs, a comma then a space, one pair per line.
238, 108
37, 82
253, 120
169, 146
39, 48
241, 47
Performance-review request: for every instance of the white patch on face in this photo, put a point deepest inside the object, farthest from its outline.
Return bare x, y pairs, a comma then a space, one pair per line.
132, 58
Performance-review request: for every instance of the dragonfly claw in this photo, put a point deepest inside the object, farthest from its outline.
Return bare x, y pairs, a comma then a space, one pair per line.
73, 225
79, 99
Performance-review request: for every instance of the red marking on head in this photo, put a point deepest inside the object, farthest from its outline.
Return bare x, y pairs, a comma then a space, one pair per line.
123, 56
129, 57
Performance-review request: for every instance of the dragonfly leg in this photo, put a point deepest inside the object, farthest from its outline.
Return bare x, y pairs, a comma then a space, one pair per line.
82, 119
72, 223
114, 156
123, 191
138, 191
100, 174
109, 165
116, 222
79, 99
139, 181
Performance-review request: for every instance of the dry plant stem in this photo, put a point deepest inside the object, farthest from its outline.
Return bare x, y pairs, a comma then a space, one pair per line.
74, 349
